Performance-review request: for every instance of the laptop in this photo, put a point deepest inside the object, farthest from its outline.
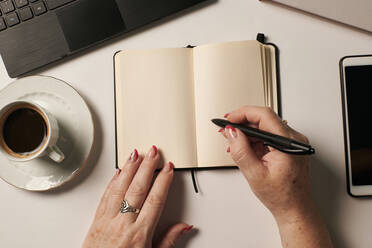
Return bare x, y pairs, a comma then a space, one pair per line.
34, 33
356, 13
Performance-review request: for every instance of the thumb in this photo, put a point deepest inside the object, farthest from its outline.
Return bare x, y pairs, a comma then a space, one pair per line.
173, 234
242, 152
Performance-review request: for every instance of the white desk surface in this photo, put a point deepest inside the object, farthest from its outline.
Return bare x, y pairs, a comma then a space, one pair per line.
226, 213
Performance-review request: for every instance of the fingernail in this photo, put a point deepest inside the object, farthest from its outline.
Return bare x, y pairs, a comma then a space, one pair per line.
221, 130
152, 153
228, 149
232, 131
169, 167
118, 171
155, 150
187, 229
226, 115
134, 156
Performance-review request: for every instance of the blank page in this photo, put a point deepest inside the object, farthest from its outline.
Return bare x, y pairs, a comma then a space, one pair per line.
227, 76
155, 104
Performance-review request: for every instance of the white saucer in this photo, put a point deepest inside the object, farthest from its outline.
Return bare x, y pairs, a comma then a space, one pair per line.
76, 133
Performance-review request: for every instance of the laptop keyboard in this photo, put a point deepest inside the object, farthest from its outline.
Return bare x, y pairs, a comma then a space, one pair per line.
14, 12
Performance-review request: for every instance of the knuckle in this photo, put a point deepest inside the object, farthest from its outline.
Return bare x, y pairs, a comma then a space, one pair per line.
96, 233
139, 238
299, 136
137, 189
284, 131
117, 192
155, 201
305, 139
115, 235
238, 154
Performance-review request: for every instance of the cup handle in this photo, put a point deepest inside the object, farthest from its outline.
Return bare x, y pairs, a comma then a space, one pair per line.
55, 154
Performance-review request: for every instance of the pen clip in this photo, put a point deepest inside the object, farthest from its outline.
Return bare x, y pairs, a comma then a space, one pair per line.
287, 150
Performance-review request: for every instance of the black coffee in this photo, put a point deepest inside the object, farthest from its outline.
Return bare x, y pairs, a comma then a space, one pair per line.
24, 130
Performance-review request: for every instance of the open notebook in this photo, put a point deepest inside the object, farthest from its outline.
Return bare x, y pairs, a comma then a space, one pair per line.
167, 97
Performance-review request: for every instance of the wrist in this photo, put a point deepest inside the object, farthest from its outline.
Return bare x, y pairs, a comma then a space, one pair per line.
303, 227
295, 214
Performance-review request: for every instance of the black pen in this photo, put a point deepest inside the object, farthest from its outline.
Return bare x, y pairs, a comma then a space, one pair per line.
278, 142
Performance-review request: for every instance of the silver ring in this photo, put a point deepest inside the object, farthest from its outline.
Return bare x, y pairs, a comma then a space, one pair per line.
126, 208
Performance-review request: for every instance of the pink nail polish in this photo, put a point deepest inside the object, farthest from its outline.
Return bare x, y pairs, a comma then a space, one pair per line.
228, 149
187, 229
118, 171
155, 150
169, 167
226, 115
231, 127
221, 130
152, 153
134, 156
232, 131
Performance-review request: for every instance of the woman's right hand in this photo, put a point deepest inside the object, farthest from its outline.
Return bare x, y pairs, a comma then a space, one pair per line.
279, 180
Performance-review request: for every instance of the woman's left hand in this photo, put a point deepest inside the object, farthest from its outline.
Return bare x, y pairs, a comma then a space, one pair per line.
113, 229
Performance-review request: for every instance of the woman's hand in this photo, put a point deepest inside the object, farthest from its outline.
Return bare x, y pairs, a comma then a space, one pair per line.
279, 180
113, 229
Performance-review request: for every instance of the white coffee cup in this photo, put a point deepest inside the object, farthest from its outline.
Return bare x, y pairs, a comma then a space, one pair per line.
48, 141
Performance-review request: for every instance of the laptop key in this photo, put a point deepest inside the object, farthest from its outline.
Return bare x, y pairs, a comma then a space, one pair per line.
25, 14
39, 8
20, 3
7, 6
2, 24
12, 19
52, 4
